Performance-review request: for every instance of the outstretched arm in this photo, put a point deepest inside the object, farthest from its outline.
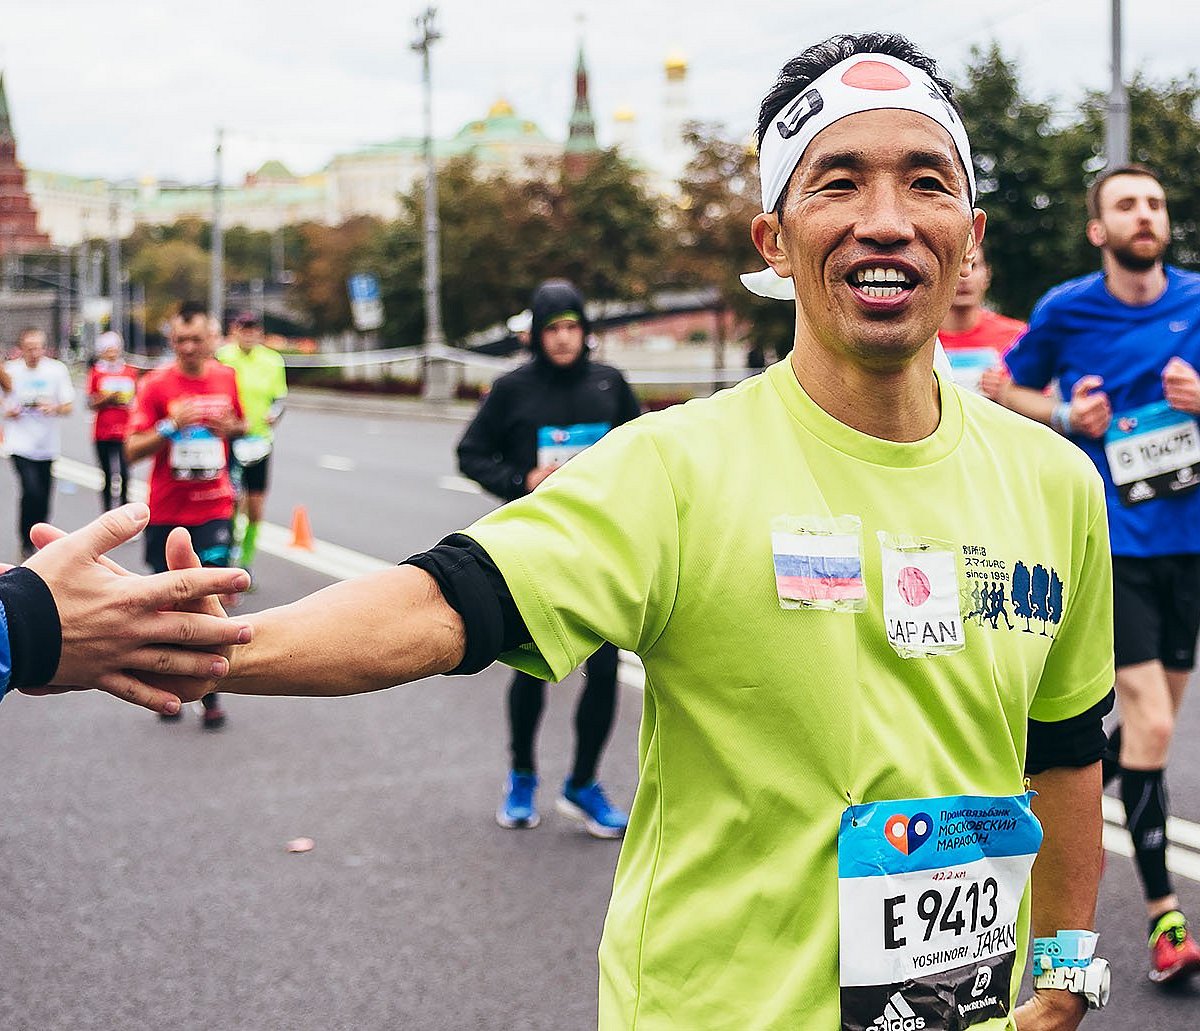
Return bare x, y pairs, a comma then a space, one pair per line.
365, 634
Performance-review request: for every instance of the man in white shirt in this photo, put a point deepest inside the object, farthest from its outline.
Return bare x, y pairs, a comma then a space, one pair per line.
40, 395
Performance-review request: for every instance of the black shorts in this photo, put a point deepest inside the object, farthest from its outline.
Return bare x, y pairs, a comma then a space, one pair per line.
1156, 610
251, 478
211, 541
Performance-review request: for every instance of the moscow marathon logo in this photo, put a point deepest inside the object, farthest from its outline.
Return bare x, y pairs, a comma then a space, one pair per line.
906, 834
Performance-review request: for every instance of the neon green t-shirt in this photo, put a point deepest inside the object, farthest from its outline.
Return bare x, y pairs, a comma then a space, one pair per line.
261, 382
762, 723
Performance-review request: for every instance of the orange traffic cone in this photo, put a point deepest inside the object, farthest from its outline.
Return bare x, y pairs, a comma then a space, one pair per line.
302, 535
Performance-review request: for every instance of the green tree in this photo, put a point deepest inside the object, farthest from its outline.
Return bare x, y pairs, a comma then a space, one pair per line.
1164, 135
171, 271
1034, 169
500, 236
326, 257
247, 254
607, 236
485, 255
719, 197
1031, 188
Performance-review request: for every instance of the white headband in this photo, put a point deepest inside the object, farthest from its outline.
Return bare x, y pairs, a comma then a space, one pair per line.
864, 82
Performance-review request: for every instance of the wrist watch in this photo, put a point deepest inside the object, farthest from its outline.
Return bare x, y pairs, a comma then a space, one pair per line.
1092, 982
1067, 962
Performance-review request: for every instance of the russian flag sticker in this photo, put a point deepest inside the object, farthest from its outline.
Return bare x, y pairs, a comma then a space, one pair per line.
819, 568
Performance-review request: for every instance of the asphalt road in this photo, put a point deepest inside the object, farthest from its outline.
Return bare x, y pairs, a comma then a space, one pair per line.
143, 870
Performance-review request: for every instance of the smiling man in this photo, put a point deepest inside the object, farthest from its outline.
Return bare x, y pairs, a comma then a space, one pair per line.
860, 626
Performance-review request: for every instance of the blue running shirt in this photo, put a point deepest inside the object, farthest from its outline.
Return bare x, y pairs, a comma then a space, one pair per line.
1080, 329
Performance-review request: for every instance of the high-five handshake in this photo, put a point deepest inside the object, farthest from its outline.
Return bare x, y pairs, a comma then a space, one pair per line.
71, 618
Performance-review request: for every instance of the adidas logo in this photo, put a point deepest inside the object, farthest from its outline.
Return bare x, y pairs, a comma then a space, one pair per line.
898, 1015
1140, 491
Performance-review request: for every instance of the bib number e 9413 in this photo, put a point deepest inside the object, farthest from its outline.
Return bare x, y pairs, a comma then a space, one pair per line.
955, 911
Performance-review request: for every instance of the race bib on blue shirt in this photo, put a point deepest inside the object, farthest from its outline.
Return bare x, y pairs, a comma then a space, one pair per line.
1153, 452
929, 891
557, 445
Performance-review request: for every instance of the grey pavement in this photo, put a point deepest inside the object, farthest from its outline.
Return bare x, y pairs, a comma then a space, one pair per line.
143, 873
144, 868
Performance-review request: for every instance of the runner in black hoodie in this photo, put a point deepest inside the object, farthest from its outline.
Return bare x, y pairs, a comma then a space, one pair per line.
535, 418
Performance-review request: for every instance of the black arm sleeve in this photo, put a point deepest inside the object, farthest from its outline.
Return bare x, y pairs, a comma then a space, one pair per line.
1075, 742
473, 586
481, 453
34, 629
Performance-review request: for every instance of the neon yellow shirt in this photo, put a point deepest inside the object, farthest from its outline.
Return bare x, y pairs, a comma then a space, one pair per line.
261, 382
762, 723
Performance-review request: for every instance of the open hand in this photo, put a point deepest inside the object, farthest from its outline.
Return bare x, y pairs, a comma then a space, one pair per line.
130, 635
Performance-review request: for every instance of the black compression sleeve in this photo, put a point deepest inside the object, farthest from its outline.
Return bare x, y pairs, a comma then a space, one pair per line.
34, 630
474, 587
1075, 742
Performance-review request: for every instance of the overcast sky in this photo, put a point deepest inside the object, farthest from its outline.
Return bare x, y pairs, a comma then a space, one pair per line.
134, 87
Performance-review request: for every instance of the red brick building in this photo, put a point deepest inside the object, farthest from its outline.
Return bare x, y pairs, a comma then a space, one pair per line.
18, 220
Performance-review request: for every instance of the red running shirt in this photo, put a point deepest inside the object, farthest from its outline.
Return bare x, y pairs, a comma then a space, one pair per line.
992, 331
186, 502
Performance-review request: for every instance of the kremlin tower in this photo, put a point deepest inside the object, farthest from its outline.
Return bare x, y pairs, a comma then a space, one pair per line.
581, 138
18, 219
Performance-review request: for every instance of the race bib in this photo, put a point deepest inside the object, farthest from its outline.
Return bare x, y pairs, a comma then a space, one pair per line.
1153, 452
35, 393
251, 450
921, 608
968, 364
122, 386
929, 891
819, 563
197, 455
557, 445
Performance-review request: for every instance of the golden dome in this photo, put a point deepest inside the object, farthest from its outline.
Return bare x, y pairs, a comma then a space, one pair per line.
501, 109
624, 114
676, 65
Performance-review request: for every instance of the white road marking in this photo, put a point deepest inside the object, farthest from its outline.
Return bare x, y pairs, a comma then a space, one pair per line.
1183, 855
460, 484
1179, 860
1179, 832
337, 463
330, 559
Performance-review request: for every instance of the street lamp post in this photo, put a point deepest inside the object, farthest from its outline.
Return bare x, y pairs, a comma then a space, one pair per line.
216, 283
1116, 131
438, 369
115, 288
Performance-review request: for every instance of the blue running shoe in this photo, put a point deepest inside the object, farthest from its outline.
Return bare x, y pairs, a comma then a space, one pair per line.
517, 808
591, 807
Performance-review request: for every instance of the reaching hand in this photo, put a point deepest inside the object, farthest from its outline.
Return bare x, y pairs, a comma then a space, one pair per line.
1091, 412
1181, 386
133, 636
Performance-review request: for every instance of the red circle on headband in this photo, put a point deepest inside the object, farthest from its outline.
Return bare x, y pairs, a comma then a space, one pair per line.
875, 75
